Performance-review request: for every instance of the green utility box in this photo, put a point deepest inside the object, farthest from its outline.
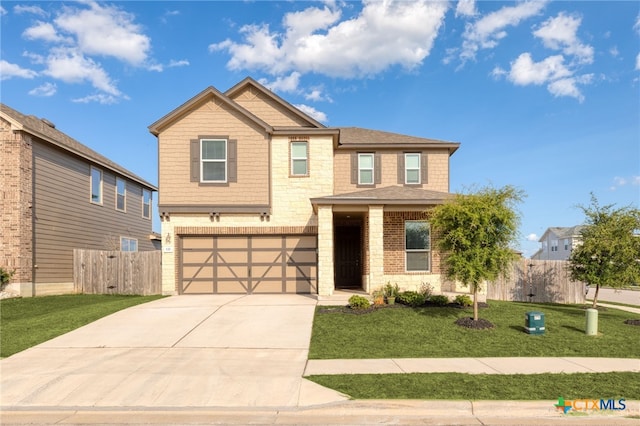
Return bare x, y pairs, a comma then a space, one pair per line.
534, 322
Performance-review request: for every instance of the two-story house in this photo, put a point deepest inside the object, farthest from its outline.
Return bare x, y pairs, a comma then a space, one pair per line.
258, 197
557, 243
58, 195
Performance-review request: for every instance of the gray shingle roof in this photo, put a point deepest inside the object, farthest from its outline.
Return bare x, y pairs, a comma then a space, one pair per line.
357, 136
567, 232
45, 131
399, 195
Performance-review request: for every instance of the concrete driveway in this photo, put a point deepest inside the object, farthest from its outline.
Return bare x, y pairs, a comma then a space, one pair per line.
181, 351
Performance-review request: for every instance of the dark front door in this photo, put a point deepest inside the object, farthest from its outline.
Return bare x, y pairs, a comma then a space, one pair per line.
348, 257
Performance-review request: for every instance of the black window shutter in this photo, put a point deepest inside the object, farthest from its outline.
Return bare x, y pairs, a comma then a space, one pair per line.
195, 160
377, 168
232, 160
423, 168
354, 168
401, 168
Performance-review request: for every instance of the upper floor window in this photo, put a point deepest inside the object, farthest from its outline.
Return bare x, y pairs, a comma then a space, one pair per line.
96, 185
567, 246
213, 160
299, 159
365, 169
128, 244
146, 204
121, 194
554, 245
417, 245
412, 168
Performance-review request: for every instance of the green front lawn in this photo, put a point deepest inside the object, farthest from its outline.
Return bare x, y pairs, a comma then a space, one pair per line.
431, 333
26, 322
456, 386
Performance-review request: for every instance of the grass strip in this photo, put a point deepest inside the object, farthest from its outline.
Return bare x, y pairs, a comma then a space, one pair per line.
431, 332
458, 386
27, 322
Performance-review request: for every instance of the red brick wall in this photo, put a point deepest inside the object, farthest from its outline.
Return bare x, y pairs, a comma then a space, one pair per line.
394, 253
16, 198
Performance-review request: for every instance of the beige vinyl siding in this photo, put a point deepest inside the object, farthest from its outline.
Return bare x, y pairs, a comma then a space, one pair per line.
252, 186
267, 109
437, 169
66, 219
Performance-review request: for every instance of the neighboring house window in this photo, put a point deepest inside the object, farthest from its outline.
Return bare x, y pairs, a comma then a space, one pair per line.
544, 246
554, 245
299, 159
566, 244
412, 168
213, 160
96, 185
128, 244
365, 169
417, 245
146, 204
121, 194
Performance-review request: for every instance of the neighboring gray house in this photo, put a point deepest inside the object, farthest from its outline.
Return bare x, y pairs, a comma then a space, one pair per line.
557, 243
57, 195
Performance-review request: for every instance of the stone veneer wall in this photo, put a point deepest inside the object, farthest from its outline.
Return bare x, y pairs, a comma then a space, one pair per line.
16, 195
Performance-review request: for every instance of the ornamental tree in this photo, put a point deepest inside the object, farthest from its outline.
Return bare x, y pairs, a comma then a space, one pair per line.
476, 231
609, 253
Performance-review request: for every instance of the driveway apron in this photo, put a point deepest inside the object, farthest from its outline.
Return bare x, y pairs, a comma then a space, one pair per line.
181, 351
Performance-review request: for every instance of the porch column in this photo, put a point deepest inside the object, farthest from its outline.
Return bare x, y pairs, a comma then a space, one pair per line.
326, 284
376, 249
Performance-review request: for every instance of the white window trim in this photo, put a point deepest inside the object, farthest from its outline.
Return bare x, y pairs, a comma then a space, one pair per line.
129, 239
146, 191
124, 209
373, 166
554, 245
406, 169
428, 250
91, 185
225, 161
305, 158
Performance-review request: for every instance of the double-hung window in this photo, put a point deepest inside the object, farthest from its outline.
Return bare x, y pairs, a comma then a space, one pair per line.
121, 194
128, 244
417, 245
213, 160
299, 159
412, 168
146, 204
365, 169
96, 185
554, 245
566, 244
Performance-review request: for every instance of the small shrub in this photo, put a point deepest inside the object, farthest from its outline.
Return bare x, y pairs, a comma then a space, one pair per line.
426, 290
5, 277
411, 298
378, 297
463, 300
391, 290
439, 300
358, 302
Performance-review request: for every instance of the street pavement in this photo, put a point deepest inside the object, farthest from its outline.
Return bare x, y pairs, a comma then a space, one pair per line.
630, 297
241, 360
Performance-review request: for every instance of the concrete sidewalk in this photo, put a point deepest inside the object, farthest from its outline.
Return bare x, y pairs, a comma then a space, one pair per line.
519, 365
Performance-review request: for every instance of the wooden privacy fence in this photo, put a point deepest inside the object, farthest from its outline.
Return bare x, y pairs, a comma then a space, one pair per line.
546, 280
117, 272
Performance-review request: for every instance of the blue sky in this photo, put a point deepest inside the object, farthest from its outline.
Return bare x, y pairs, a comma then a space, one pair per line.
541, 95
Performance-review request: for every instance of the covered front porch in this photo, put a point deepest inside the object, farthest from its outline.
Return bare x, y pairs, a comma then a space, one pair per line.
361, 240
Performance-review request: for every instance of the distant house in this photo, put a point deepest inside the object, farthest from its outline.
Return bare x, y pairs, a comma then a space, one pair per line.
557, 243
58, 195
258, 197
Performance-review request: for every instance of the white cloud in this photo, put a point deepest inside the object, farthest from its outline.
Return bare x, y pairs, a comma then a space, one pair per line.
532, 237
283, 84
34, 57
560, 33
312, 112
71, 66
43, 31
382, 35
636, 26
106, 31
619, 181
9, 70
180, 63
614, 51
3, 11
524, 71
316, 95
466, 8
45, 90
638, 62
100, 98
488, 30
568, 86
35, 10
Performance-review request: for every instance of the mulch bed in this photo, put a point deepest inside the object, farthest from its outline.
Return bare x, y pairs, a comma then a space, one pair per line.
632, 321
347, 309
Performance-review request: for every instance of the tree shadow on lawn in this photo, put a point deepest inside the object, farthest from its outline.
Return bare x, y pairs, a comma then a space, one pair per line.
572, 328
443, 312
